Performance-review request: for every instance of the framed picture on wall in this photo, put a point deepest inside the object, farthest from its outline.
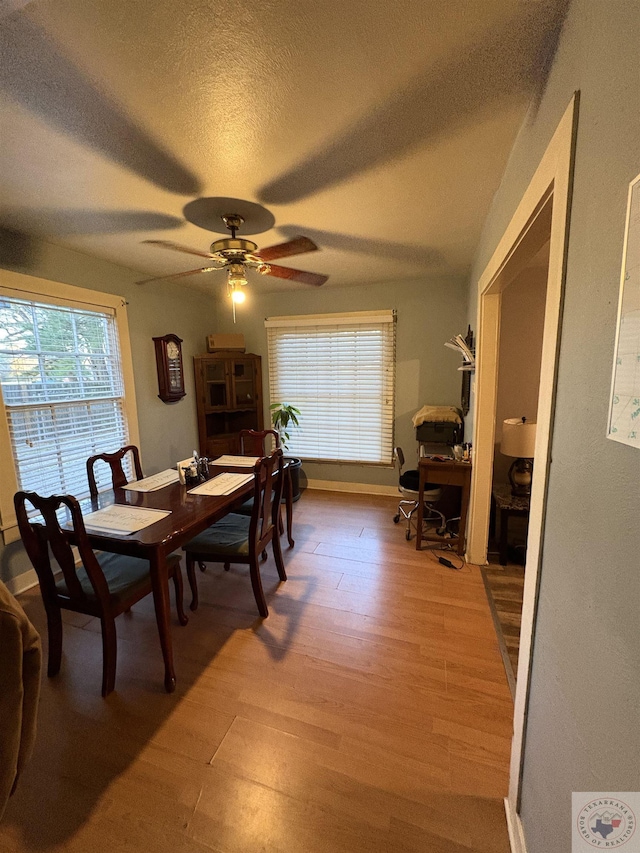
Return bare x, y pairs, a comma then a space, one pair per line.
624, 405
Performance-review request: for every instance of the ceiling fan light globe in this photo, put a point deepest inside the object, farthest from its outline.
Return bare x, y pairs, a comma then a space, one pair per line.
236, 278
238, 296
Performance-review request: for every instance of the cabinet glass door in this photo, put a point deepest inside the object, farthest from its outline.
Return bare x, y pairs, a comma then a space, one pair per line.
215, 381
243, 384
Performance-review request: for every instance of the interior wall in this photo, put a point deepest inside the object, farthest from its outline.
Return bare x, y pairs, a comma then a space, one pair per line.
583, 731
168, 432
429, 312
520, 354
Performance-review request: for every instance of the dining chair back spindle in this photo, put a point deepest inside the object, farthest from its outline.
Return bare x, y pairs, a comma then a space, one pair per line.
102, 584
240, 538
114, 461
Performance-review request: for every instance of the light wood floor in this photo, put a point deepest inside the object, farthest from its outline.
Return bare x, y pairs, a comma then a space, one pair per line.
369, 712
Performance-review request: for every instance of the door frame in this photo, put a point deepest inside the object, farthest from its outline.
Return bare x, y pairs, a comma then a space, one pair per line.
549, 191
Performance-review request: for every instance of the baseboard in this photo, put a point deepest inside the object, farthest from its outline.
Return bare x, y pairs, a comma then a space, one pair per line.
514, 827
353, 488
22, 582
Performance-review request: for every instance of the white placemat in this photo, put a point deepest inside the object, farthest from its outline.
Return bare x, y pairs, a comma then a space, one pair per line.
123, 519
153, 483
223, 484
236, 461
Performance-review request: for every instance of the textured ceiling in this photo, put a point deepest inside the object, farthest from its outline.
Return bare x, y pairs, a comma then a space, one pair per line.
378, 129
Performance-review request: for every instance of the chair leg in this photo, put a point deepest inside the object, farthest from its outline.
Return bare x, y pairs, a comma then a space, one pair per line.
277, 556
264, 556
203, 566
191, 575
54, 628
256, 583
289, 508
109, 654
227, 566
177, 583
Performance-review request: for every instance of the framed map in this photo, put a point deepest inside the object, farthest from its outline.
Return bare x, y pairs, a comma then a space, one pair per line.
624, 408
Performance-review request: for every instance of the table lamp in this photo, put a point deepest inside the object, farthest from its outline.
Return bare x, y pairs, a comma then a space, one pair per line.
519, 440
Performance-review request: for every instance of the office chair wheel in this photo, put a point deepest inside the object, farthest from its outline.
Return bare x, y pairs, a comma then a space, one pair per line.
408, 535
396, 519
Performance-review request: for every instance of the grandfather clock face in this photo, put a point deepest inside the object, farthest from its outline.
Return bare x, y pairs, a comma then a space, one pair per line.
170, 370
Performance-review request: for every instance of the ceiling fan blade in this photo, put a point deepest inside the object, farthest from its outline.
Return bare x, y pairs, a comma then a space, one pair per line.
178, 275
297, 275
297, 246
167, 244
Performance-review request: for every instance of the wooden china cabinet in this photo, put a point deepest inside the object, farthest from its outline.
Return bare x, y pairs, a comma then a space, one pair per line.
229, 398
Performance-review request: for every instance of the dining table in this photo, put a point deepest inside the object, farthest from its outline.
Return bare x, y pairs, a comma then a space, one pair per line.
189, 514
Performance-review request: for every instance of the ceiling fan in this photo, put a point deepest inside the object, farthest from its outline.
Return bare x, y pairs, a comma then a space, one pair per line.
236, 255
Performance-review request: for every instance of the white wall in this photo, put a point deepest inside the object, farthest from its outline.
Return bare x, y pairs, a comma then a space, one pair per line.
520, 353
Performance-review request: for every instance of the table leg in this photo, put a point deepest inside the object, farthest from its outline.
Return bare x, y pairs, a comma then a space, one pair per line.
160, 586
289, 506
504, 542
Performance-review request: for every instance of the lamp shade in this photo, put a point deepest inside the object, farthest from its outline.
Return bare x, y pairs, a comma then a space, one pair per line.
518, 438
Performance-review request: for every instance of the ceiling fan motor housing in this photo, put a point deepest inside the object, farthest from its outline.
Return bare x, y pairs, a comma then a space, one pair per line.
234, 245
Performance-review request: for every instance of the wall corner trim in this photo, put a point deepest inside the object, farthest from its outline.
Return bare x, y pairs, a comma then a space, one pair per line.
514, 827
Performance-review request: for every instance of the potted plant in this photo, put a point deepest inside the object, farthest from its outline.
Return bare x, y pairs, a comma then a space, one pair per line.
283, 415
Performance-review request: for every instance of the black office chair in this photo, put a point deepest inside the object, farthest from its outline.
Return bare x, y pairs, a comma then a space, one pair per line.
409, 488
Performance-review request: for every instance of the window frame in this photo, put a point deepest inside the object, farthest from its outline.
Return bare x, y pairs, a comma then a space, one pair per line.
351, 318
27, 287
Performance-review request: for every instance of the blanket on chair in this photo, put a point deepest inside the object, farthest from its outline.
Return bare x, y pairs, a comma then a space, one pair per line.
437, 414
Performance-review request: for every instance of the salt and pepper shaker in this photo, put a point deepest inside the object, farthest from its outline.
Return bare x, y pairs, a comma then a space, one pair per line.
197, 471
191, 475
203, 468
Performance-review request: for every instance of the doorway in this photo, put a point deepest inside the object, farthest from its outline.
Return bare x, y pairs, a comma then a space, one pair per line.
522, 314
548, 195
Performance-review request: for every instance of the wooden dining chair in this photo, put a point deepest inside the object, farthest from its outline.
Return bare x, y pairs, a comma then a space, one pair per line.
240, 538
253, 442
103, 585
114, 461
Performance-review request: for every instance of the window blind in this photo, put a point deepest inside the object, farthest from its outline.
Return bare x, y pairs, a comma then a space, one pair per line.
63, 392
339, 370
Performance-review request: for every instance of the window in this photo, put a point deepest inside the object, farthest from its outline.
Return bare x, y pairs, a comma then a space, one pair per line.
339, 370
63, 388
